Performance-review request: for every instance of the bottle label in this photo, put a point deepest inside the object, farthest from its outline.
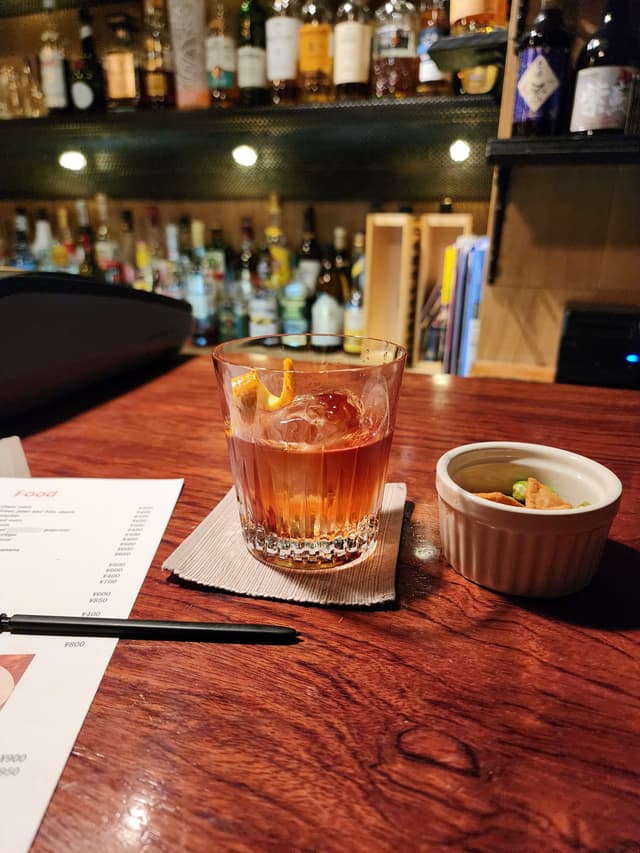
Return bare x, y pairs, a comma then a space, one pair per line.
282, 48
81, 95
428, 71
493, 10
252, 67
263, 315
221, 62
200, 296
315, 48
352, 49
86, 31
353, 325
186, 19
540, 74
327, 317
156, 84
121, 76
53, 82
280, 269
392, 42
308, 272
601, 98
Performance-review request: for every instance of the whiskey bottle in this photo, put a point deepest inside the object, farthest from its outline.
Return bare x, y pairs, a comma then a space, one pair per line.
121, 64
277, 243
252, 55
187, 20
221, 58
87, 85
604, 72
478, 16
316, 55
85, 250
127, 248
542, 88
54, 70
157, 74
352, 50
22, 256
105, 248
327, 311
394, 58
282, 31
199, 291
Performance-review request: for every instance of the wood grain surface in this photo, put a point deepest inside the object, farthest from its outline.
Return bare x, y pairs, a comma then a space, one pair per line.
456, 719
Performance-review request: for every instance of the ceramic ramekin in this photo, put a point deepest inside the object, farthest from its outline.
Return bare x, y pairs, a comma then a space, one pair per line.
528, 552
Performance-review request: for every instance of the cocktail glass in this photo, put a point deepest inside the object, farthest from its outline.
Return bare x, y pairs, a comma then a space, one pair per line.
309, 430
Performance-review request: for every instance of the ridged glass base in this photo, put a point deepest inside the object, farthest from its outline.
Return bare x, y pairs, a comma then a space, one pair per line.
312, 555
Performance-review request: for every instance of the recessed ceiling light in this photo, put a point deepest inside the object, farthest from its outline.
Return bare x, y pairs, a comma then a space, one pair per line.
245, 155
73, 160
459, 151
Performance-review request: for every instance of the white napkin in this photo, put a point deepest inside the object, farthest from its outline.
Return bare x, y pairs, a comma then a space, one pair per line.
13, 462
215, 555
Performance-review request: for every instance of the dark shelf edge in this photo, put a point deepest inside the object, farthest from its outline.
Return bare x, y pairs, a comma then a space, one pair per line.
564, 151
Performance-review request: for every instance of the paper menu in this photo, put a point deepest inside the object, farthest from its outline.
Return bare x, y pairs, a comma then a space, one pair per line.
69, 547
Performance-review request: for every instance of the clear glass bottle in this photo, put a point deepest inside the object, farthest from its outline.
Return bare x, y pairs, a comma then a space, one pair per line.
22, 254
105, 247
327, 311
199, 293
221, 57
394, 58
252, 54
434, 23
54, 66
121, 64
352, 50
87, 84
478, 16
157, 74
282, 32
64, 247
354, 309
604, 71
315, 74
188, 31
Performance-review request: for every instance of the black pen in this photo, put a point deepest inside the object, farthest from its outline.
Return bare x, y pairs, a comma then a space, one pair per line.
143, 629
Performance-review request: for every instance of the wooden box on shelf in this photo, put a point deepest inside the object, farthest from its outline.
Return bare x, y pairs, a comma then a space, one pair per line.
403, 264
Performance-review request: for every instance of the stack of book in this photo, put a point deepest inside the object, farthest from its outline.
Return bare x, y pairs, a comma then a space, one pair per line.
450, 314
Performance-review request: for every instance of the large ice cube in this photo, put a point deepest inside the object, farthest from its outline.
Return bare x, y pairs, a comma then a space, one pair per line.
332, 418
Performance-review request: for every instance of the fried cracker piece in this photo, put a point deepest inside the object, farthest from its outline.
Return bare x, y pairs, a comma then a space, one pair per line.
499, 498
540, 496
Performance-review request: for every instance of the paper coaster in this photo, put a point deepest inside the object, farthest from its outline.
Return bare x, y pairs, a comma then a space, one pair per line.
215, 555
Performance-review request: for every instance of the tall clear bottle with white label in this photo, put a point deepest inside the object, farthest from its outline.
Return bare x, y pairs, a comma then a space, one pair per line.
252, 54
394, 57
604, 71
222, 75
54, 71
187, 22
352, 50
282, 29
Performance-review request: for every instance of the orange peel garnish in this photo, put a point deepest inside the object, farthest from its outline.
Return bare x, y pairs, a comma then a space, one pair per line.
249, 391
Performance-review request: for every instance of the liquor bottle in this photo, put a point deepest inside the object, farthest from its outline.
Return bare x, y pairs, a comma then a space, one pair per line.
216, 255
252, 54
199, 293
604, 72
42, 246
394, 60
22, 255
64, 247
434, 23
542, 87
295, 314
309, 254
85, 250
187, 20
87, 84
354, 309
478, 16
316, 54
352, 50
127, 248
277, 243
121, 65
54, 69
282, 32
327, 311
105, 248
157, 74
341, 255
153, 239
247, 257
221, 58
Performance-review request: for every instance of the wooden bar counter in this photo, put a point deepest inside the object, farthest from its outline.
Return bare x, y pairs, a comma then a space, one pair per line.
455, 719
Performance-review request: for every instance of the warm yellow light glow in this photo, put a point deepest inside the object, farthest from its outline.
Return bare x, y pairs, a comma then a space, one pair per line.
245, 155
459, 151
73, 160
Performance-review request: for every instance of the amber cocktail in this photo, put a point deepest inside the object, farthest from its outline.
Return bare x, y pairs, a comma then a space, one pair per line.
309, 431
